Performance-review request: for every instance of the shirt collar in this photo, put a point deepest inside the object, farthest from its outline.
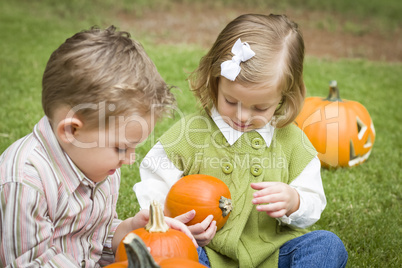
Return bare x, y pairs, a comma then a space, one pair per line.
232, 135
64, 167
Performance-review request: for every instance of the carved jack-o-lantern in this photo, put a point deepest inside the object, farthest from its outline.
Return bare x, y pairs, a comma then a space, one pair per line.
340, 130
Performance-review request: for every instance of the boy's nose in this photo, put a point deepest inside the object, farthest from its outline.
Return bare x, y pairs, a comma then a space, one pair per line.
129, 157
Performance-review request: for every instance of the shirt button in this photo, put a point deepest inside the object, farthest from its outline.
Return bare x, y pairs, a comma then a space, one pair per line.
227, 168
256, 170
257, 143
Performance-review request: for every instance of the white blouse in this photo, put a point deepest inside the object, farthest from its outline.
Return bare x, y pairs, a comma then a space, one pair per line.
158, 174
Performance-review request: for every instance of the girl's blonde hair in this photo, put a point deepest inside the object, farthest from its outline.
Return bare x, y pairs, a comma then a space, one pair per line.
279, 53
96, 67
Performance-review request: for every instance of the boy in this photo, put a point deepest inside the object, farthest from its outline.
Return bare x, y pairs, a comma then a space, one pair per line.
59, 185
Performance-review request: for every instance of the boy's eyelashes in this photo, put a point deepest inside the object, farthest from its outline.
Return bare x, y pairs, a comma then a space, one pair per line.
255, 108
121, 150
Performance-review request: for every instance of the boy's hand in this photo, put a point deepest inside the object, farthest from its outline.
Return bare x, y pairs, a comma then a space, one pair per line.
142, 218
204, 231
275, 198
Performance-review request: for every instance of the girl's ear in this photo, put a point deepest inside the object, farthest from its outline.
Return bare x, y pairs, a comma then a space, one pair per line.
67, 129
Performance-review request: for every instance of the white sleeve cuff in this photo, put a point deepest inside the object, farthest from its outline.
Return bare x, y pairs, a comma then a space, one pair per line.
312, 197
158, 174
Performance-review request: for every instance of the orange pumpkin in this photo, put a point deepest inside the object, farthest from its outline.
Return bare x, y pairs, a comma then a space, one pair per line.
205, 194
163, 241
180, 263
139, 257
122, 264
340, 130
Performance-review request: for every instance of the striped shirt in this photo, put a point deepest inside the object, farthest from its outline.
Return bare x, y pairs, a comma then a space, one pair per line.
51, 214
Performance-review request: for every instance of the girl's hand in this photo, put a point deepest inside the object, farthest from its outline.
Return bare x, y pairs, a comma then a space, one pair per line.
180, 226
275, 198
204, 231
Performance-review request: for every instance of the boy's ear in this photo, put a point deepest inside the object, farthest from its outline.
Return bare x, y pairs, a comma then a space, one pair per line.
67, 129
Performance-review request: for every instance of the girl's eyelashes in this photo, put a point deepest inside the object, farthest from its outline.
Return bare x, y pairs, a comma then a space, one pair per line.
261, 109
255, 108
230, 102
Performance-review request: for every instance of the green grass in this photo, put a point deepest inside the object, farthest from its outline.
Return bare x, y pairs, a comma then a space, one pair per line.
364, 202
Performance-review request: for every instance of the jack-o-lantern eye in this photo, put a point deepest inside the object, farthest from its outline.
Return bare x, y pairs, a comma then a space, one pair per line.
341, 131
361, 128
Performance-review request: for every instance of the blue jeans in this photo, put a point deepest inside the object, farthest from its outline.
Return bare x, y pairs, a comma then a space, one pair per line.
321, 249
202, 257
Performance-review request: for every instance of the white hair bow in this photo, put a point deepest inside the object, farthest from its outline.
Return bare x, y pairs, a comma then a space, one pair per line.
242, 52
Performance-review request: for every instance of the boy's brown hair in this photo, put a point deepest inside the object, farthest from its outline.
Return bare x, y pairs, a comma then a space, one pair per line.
103, 73
279, 53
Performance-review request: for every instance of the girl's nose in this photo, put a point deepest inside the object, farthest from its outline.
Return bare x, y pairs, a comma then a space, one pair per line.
243, 114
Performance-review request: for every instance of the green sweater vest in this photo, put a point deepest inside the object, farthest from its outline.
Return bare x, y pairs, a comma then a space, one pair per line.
249, 238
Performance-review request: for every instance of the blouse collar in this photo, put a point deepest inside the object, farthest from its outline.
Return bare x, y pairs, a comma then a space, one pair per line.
232, 135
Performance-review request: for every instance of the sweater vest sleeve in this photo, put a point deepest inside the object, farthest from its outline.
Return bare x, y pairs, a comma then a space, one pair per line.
184, 139
297, 147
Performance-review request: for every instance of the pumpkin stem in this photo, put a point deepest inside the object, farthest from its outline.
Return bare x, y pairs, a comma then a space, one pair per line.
225, 204
333, 92
137, 253
156, 223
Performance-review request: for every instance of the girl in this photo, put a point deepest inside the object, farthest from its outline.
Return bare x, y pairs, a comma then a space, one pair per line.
250, 85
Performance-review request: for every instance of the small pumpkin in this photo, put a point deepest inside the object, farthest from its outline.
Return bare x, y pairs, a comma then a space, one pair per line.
205, 194
164, 242
139, 257
341, 131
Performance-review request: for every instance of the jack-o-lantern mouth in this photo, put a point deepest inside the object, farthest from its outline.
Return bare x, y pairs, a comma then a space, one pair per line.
361, 131
357, 159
